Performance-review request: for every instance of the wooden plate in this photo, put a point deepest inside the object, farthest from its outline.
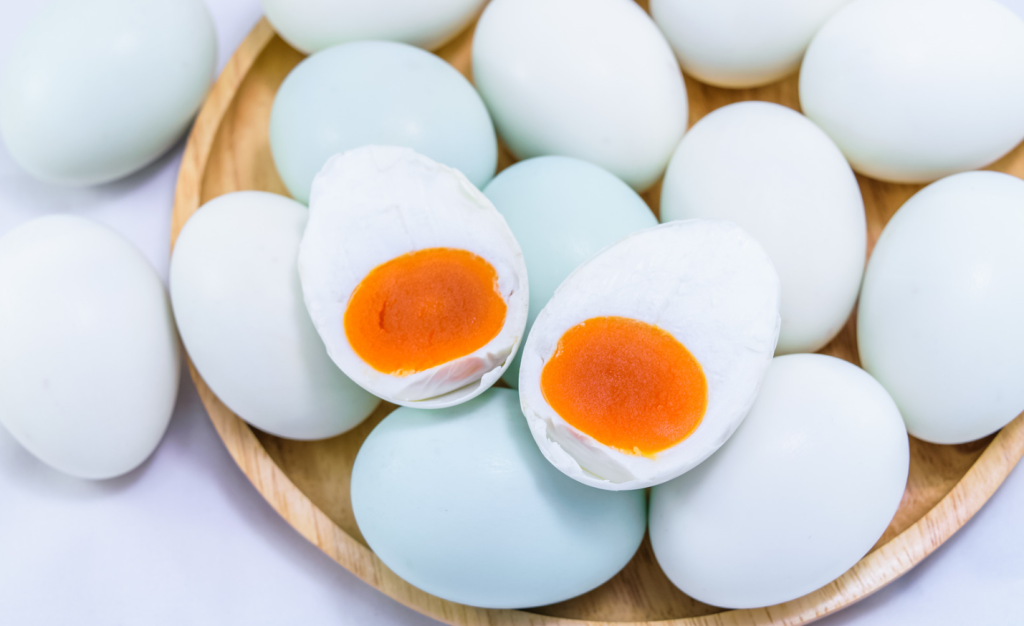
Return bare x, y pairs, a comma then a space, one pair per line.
308, 482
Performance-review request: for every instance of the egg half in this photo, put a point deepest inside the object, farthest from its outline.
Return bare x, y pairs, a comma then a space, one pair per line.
412, 278
649, 355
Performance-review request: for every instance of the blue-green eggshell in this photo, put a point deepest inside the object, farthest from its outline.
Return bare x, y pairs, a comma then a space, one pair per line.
97, 89
460, 503
562, 211
382, 93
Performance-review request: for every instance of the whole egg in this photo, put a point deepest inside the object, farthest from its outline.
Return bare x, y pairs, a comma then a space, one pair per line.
591, 79
89, 357
802, 490
779, 177
939, 320
238, 303
562, 211
313, 25
741, 43
97, 89
378, 93
460, 503
914, 90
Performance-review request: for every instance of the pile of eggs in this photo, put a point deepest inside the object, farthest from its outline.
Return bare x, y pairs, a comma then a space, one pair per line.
655, 378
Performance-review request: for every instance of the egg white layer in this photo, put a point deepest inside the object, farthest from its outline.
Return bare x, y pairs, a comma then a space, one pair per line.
709, 284
375, 203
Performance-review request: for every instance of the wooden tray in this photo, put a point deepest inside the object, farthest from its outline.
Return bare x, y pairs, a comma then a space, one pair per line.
308, 482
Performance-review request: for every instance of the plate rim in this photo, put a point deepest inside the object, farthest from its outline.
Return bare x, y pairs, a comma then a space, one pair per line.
874, 571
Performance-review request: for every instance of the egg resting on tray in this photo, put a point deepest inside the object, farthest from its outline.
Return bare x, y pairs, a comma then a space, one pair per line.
411, 277
460, 503
238, 306
650, 354
809, 482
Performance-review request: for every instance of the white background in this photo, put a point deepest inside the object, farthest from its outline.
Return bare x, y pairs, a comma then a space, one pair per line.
185, 539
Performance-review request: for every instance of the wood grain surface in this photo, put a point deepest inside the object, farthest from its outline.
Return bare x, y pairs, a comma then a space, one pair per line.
308, 482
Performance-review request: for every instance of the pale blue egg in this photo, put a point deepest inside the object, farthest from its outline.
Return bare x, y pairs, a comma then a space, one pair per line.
98, 89
383, 93
562, 211
461, 503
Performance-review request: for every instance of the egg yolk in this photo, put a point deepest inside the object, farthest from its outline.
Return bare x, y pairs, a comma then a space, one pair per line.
628, 384
423, 309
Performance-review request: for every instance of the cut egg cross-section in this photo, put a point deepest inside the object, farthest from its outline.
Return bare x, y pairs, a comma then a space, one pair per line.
412, 278
650, 354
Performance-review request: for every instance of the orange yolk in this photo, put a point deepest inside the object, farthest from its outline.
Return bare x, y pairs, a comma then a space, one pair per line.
423, 309
628, 384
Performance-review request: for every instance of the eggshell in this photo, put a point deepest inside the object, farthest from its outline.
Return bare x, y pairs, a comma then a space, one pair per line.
591, 79
238, 304
373, 204
313, 25
779, 177
561, 211
939, 321
381, 93
460, 503
913, 90
741, 43
708, 284
802, 490
89, 357
97, 89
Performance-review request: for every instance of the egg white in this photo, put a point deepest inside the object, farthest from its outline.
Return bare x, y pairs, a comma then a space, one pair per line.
709, 284
375, 203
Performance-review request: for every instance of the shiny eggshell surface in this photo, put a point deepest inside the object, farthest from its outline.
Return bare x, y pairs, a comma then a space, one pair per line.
89, 356
802, 490
313, 25
779, 177
97, 89
238, 304
741, 43
380, 93
914, 90
376, 203
591, 79
939, 320
460, 503
562, 211
709, 285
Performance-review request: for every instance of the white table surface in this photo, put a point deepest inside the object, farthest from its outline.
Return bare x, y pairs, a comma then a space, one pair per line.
185, 539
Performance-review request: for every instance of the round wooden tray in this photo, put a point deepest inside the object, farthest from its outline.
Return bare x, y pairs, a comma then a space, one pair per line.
308, 482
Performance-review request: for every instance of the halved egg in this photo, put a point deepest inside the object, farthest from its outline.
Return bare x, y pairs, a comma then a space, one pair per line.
412, 278
650, 354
